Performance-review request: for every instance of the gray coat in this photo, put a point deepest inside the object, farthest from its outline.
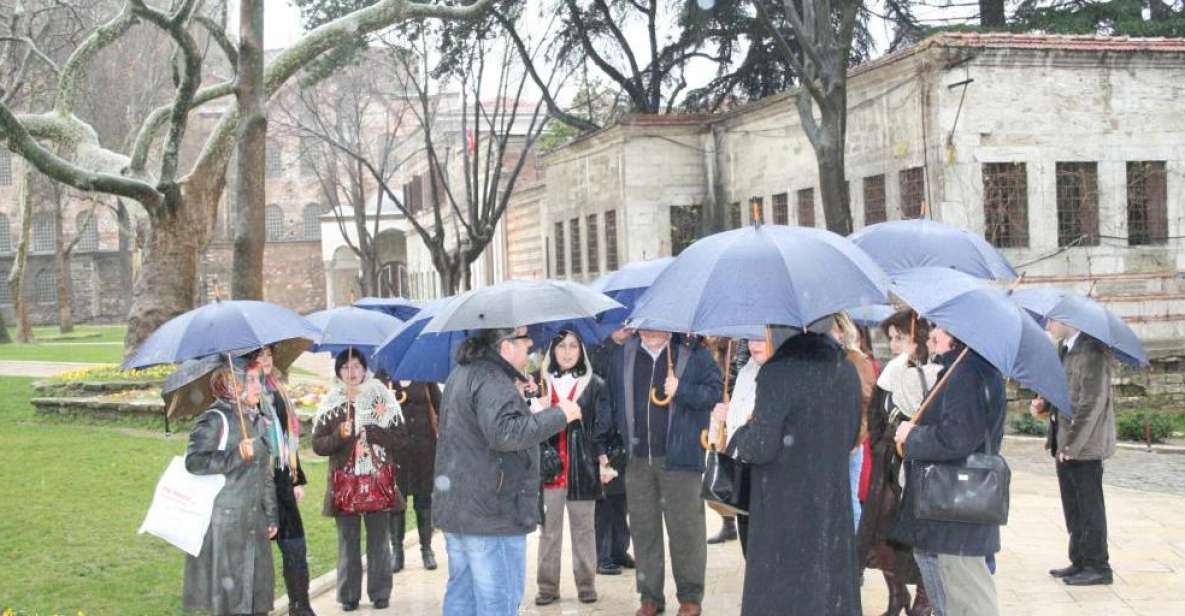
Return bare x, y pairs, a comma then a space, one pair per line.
233, 574
1090, 433
487, 454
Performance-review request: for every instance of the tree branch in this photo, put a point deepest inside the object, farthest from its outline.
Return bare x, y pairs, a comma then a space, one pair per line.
74, 69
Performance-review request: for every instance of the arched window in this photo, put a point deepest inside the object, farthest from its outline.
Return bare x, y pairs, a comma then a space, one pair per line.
312, 221
86, 225
46, 287
274, 223
44, 233
5, 237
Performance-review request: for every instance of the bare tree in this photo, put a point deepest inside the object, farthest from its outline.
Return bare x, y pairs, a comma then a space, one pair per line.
821, 53
358, 110
180, 206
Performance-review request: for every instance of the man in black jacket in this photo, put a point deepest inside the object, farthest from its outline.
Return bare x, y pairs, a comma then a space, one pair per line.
486, 488
612, 524
661, 395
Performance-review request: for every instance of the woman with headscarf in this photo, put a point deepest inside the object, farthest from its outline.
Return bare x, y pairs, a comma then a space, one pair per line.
358, 424
233, 572
283, 436
901, 387
567, 375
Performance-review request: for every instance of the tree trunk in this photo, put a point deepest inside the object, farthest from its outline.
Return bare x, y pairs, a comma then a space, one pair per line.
251, 148
4, 337
16, 278
62, 269
168, 275
126, 238
829, 154
991, 13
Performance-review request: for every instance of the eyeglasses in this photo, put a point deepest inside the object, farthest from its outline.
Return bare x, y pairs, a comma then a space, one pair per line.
517, 338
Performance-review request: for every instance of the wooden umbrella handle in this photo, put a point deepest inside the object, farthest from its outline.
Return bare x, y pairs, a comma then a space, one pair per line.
933, 394
654, 399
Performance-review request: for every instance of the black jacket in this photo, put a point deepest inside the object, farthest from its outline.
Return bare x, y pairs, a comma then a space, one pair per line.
969, 408
487, 455
585, 465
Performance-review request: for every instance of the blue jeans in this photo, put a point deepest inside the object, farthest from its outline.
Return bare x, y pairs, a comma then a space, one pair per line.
855, 466
486, 574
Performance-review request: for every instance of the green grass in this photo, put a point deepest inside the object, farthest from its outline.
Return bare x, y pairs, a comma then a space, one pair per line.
74, 494
107, 348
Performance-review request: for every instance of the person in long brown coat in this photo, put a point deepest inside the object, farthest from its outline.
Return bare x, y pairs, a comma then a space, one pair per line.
416, 459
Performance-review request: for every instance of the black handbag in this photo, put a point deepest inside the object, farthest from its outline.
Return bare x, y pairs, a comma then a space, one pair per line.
550, 464
726, 481
584, 479
974, 491
616, 452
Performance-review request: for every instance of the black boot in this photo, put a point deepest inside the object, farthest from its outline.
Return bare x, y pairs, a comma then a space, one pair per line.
424, 527
728, 532
398, 528
898, 594
297, 583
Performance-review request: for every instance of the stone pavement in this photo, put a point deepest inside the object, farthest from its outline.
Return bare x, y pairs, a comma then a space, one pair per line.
39, 369
1147, 540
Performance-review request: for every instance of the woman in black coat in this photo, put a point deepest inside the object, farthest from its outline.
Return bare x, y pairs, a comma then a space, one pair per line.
416, 460
802, 552
567, 374
965, 415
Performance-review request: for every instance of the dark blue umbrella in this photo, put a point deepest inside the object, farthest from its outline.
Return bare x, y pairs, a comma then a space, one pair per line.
1086, 315
731, 283
221, 327
901, 245
348, 326
409, 354
398, 307
991, 324
625, 286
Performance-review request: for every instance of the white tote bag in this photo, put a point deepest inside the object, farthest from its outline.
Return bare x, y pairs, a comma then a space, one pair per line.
183, 503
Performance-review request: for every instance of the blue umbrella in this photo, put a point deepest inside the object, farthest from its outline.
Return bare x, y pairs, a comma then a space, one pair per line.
398, 307
348, 326
901, 245
1087, 315
625, 286
515, 303
220, 327
871, 315
411, 355
991, 324
739, 281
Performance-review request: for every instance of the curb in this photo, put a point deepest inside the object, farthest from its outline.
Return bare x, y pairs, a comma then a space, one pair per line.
328, 582
1158, 448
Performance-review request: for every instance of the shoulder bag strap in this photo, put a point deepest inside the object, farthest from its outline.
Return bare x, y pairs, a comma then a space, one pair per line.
431, 410
225, 430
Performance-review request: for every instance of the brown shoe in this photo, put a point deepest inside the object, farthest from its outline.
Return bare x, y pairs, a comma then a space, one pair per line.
649, 608
690, 609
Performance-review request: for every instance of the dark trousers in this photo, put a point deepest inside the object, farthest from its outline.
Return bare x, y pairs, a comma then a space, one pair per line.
1081, 483
662, 500
349, 557
613, 530
743, 533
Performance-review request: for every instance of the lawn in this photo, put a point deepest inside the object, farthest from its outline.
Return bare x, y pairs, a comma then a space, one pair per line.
105, 348
74, 495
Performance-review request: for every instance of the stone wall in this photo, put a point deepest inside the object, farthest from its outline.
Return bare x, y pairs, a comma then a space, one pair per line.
293, 273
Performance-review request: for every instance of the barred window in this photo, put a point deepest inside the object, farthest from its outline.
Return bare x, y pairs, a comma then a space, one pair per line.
5, 240
1147, 203
574, 237
45, 287
806, 207
1077, 204
312, 221
86, 225
781, 209
560, 246
1006, 204
735, 218
308, 155
912, 183
684, 226
874, 200
273, 222
5, 167
44, 233
611, 240
275, 159
5, 295
594, 255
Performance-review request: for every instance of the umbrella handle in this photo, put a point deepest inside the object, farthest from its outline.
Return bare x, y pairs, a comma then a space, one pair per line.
933, 394
246, 450
654, 399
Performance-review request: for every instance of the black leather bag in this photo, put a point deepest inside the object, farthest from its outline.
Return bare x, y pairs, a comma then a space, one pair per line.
726, 481
974, 491
550, 464
584, 479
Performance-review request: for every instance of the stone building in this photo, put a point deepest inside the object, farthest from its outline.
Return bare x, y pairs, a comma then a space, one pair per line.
1067, 152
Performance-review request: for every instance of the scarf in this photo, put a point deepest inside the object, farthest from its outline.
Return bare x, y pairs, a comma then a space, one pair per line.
367, 396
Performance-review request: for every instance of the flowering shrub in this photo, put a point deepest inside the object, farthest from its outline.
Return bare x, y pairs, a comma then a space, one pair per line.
307, 396
110, 372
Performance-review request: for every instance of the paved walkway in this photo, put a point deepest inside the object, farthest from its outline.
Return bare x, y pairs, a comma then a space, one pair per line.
1147, 539
40, 369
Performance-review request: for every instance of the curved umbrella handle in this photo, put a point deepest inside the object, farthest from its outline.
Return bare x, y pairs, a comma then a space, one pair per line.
654, 399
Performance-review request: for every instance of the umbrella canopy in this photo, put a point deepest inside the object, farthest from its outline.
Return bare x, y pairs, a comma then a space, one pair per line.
625, 286
409, 354
737, 282
901, 245
1086, 315
220, 327
515, 303
398, 307
990, 323
348, 326
187, 390
871, 315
